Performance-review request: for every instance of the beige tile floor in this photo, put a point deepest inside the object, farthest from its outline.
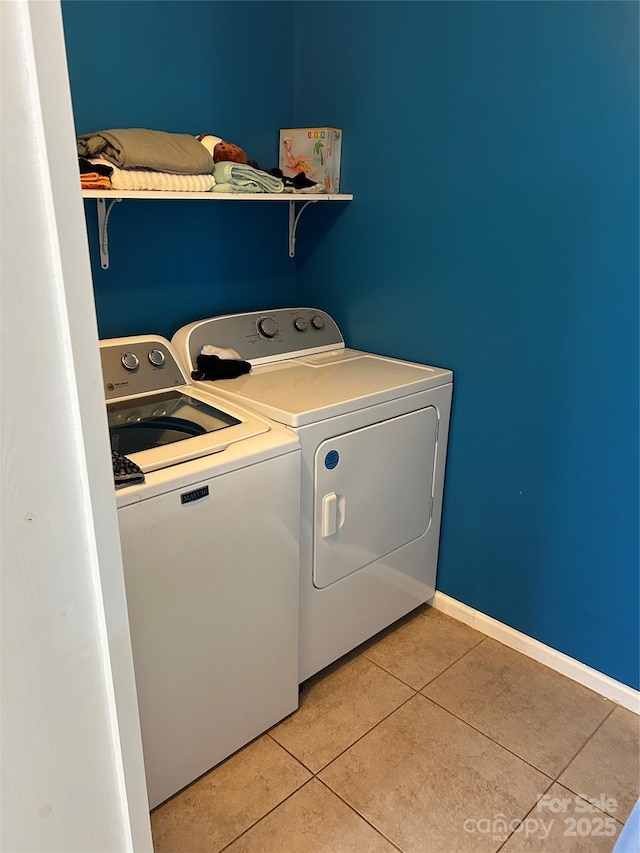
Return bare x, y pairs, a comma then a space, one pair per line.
431, 738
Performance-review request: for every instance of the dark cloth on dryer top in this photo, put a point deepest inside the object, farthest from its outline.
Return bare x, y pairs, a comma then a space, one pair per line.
213, 367
125, 472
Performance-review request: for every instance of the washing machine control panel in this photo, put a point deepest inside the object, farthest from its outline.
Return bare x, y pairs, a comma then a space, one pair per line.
138, 365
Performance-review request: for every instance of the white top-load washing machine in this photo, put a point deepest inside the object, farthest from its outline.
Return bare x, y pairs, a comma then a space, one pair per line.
374, 439
210, 546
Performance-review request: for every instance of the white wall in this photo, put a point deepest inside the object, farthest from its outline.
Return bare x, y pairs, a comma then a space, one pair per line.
72, 776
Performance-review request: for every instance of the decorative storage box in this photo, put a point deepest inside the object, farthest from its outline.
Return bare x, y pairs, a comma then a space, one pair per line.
314, 151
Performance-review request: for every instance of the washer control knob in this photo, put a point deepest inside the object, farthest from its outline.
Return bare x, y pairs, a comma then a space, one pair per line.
268, 327
130, 361
300, 323
156, 357
317, 322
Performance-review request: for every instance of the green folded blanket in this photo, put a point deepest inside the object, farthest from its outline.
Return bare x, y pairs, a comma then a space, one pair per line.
235, 178
138, 148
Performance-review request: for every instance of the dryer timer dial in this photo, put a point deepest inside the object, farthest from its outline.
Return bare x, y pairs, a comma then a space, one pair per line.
317, 322
268, 327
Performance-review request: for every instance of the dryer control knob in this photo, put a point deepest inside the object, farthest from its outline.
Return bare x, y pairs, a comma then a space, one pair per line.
317, 322
156, 357
268, 327
300, 323
130, 361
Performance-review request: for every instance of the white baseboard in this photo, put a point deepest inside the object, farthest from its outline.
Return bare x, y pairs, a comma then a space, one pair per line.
580, 672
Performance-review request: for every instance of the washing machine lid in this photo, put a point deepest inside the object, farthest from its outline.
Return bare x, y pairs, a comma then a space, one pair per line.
169, 427
304, 390
157, 418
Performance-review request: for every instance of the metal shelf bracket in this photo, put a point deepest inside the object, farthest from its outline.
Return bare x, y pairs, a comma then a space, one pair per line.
104, 205
104, 212
294, 218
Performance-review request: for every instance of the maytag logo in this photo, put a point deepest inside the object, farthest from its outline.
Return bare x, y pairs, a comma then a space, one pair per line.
195, 495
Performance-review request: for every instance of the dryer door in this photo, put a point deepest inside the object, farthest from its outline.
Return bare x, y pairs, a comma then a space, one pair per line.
373, 493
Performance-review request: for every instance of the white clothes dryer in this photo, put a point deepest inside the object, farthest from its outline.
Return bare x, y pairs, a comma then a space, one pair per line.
210, 547
374, 436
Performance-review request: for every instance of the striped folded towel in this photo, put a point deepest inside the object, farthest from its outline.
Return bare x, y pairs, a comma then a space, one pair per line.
236, 178
148, 179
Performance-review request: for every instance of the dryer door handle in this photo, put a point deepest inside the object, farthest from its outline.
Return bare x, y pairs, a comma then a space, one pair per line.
329, 515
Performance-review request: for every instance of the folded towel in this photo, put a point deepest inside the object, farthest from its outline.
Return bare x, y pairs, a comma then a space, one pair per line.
132, 148
94, 181
125, 472
147, 179
237, 178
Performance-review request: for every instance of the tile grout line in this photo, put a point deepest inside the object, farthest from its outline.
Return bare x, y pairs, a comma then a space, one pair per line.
361, 816
466, 722
358, 739
498, 742
555, 782
374, 726
266, 814
447, 710
552, 780
577, 793
415, 692
418, 689
538, 799
347, 748
484, 734
295, 757
288, 797
526, 761
579, 750
447, 668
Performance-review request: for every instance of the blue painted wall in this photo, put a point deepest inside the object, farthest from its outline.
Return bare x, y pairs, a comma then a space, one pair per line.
188, 67
493, 152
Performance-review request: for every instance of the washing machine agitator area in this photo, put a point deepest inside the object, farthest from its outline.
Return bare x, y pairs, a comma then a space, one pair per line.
210, 547
373, 432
